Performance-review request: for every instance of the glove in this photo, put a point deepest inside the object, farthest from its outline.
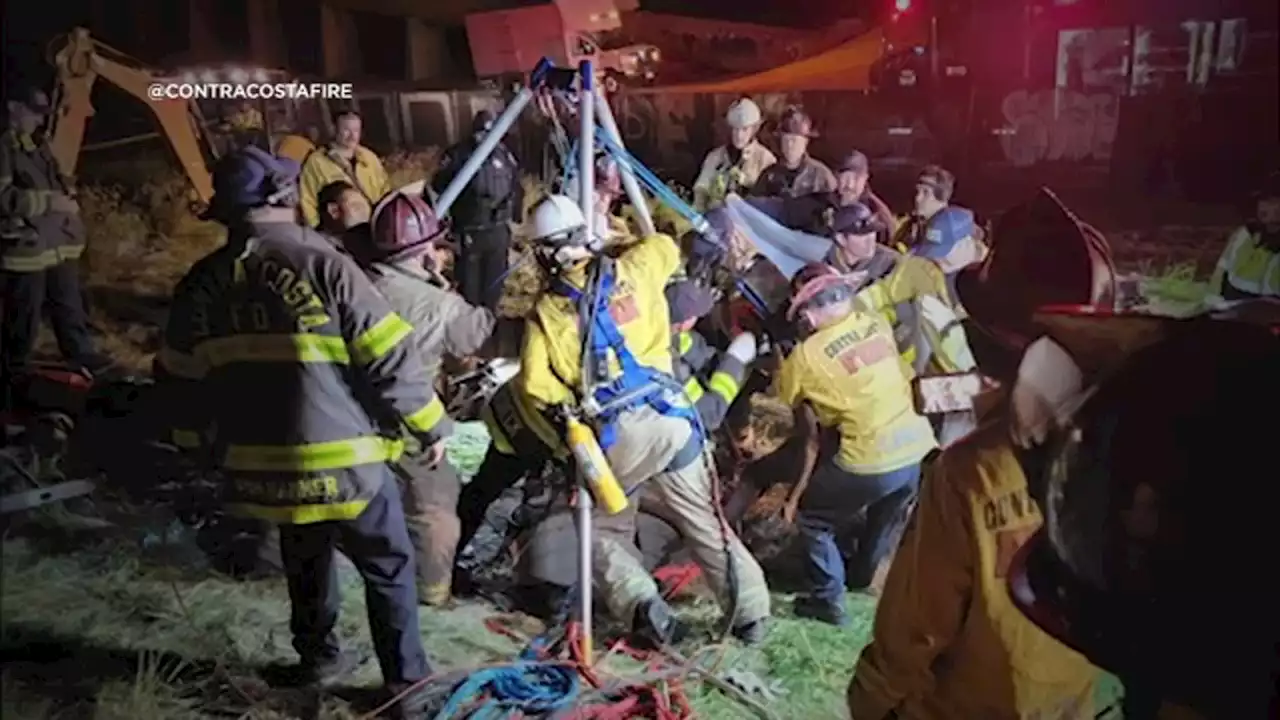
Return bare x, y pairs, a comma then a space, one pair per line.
743, 348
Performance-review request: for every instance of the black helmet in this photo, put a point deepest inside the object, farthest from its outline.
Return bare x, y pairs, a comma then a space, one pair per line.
854, 219
1152, 491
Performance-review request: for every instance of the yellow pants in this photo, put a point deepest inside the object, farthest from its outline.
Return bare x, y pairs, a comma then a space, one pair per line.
646, 443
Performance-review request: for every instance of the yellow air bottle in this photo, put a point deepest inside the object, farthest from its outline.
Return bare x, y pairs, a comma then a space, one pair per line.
594, 466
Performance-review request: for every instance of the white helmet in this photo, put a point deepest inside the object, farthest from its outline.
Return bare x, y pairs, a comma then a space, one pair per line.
743, 113
556, 220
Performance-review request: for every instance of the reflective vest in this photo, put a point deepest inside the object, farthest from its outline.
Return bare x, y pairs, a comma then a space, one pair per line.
507, 418
289, 367
712, 398
33, 237
636, 385
1247, 268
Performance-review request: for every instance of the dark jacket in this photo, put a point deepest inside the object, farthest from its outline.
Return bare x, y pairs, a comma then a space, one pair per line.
33, 236
494, 196
286, 362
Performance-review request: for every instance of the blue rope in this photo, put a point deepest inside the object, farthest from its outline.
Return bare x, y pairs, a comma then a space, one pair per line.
527, 686
652, 182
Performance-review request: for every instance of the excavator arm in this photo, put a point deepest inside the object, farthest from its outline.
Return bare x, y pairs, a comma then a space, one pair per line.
80, 62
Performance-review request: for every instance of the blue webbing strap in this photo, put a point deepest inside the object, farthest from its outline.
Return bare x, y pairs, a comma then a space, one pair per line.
604, 336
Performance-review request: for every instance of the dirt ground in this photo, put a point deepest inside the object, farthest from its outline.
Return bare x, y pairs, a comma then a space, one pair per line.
129, 624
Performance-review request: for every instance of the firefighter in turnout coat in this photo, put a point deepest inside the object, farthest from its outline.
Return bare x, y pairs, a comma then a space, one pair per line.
655, 439
284, 367
735, 167
394, 250
41, 240
797, 173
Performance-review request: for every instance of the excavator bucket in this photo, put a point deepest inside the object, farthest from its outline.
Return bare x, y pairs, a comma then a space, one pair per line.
1042, 254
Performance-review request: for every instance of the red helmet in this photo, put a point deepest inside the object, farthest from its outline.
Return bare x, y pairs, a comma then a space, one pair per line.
403, 226
816, 285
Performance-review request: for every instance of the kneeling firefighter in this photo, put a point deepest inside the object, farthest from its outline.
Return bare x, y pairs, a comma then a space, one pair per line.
393, 249
617, 372
1137, 522
845, 373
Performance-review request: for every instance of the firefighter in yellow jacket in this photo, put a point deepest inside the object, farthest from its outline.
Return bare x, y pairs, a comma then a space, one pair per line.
915, 295
845, 373
1250, 264
41, 238
343, 159
948, 640
286, 368
648, 431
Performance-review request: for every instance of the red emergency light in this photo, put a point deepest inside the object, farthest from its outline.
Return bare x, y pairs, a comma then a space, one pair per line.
902, 5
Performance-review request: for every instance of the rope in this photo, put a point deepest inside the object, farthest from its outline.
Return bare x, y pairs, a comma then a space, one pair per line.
527, 687
539, 683
674, 579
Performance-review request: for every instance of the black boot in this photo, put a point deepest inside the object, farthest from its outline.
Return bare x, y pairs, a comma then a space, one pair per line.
327, 671
655, 626
821, 610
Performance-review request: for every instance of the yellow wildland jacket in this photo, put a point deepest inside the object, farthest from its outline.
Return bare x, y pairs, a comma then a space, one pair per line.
948, 641
914, 295
851, 375
550, 359
325, 166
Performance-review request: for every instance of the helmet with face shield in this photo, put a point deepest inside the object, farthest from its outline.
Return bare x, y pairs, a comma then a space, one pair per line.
1157, 521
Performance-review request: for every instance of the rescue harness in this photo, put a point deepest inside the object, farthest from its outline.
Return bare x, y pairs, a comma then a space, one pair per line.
604, 400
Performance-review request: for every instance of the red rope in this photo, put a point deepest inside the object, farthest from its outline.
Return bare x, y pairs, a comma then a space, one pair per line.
675, 579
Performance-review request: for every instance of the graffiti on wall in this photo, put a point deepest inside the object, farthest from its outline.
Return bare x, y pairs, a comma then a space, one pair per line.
1058, 126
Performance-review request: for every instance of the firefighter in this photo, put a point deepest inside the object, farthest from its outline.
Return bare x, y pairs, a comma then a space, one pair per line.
655, 437
938, 230
797, 173
1134, 514
710, 385
342, 207
41, 240
916, 296
735, 167
342, 159
845, 373
483, 213
548, 566
853, 186
395, 250
284, 367
1250, 265
947, 581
